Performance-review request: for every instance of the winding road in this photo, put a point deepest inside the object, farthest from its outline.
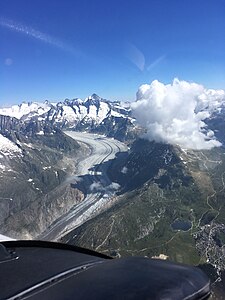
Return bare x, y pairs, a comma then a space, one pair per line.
92, 172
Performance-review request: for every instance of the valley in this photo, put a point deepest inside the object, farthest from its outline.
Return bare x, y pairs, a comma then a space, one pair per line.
186, 190
91, 174
82, 172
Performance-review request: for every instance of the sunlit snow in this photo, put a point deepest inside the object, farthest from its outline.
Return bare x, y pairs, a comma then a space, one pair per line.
8, 148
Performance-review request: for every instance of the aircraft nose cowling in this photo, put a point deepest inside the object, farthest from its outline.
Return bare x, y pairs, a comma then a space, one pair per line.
45, 270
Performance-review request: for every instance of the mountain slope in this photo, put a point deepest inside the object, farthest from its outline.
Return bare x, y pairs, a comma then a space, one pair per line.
173, 204
33, 174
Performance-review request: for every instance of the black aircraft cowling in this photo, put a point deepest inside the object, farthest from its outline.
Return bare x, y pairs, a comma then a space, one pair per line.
46, 270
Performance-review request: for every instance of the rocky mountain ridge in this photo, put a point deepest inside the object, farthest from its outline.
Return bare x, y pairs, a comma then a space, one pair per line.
94, 114
36, 157
33, 177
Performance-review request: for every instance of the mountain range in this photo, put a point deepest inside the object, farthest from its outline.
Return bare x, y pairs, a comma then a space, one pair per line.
36, 157
93, 114
170, 200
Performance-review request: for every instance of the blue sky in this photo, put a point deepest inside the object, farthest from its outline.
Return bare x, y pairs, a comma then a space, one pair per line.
66, 49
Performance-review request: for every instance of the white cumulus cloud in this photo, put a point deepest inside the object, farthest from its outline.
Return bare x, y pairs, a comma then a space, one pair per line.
96, 186
114, 186
175, 113
124, 170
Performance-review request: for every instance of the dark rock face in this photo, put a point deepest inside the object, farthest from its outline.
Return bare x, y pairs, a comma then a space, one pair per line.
217, 124
33, 187
144, 162
7, 124
34, 218
120, 128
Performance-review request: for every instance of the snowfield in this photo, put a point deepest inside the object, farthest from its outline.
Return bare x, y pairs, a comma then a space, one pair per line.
8, 148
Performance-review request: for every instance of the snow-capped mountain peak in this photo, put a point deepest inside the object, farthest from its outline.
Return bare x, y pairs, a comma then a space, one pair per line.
25, 109
92, 114
93, 107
